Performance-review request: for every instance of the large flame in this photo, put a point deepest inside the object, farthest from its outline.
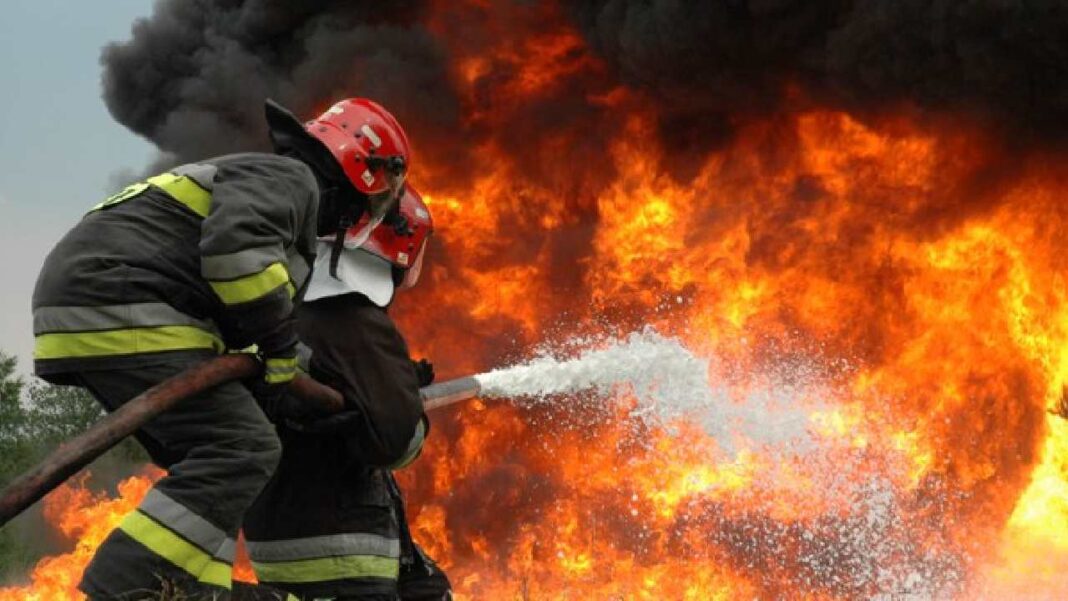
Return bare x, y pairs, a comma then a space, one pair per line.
85, 518
899, 279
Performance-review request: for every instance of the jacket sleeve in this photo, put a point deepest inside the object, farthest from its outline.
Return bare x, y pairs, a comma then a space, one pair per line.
262, 207
357, 349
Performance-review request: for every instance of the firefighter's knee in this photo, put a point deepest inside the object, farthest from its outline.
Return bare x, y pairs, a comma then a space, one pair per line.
264, 451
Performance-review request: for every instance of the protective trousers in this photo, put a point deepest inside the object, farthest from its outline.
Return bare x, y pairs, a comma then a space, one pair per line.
219, 451
420, 577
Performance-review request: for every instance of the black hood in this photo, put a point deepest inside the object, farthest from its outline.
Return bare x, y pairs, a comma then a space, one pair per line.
339, 201
289, 138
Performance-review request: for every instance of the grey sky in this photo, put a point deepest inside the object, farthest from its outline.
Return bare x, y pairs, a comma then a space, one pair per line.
60, 150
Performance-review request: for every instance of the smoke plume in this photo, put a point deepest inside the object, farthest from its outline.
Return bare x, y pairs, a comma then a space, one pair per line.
1006, 62
194, 76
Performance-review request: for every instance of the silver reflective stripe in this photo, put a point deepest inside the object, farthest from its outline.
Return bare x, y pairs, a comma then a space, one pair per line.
415, 446
333, 545
111, 317
189, 525
281, 371
304, 355
227, 550
203, 175
240, 264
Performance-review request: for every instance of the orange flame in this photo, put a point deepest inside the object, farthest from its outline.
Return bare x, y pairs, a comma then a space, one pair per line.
898, 282
85, 518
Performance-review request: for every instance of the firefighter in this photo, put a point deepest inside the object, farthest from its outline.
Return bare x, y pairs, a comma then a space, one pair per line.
208, 257
331, 523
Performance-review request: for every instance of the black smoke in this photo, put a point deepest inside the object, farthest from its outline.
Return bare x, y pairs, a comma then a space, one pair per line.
194, 76
1003, 62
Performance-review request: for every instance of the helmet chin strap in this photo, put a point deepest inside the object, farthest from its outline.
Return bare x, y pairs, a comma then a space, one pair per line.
346, 219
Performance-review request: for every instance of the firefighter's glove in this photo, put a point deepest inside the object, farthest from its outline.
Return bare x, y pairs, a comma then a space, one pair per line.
271, 385
279, 370
278, 354
279, 367
424, 372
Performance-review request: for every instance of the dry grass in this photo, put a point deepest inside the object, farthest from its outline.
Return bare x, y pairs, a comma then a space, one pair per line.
169, 590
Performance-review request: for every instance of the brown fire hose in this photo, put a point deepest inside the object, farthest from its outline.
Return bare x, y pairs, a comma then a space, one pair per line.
78, 452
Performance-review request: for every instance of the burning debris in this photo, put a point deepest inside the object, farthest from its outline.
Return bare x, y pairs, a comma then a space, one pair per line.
850, 212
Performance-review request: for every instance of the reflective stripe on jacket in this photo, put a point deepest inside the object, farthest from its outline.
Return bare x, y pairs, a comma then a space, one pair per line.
324, 527
198, 259
327, 557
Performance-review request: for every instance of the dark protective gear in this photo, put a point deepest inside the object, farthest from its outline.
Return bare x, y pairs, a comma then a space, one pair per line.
424, 372
352, 423
420, 577
329, 524
208, 256
423, 579
358, 351
324, 526
289, 138
219, 450
272, 397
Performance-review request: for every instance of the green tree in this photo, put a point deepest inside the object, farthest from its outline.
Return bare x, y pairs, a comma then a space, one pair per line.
34, 420
13, 448
14, 454
56, 413
10, 385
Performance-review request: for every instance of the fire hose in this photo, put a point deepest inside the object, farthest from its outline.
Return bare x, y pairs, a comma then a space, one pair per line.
78, 452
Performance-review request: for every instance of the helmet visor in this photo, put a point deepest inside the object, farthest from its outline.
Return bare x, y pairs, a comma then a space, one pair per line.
411, 275
359, 233
378, 206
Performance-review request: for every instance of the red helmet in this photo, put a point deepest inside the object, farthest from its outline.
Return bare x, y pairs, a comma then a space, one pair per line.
401, 240
368, 143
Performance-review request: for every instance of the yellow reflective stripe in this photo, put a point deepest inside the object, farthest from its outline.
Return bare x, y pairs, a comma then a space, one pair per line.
185, 190
252, 287
281, 362
328, 568
217, 573
176, 550
126, 193
60, 345
279, 370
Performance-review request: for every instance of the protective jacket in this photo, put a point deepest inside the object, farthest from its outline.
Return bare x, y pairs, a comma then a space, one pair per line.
184, 264
205, 257
328, 525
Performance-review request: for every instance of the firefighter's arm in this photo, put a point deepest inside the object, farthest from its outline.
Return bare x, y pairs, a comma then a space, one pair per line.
360, 352
260, 209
